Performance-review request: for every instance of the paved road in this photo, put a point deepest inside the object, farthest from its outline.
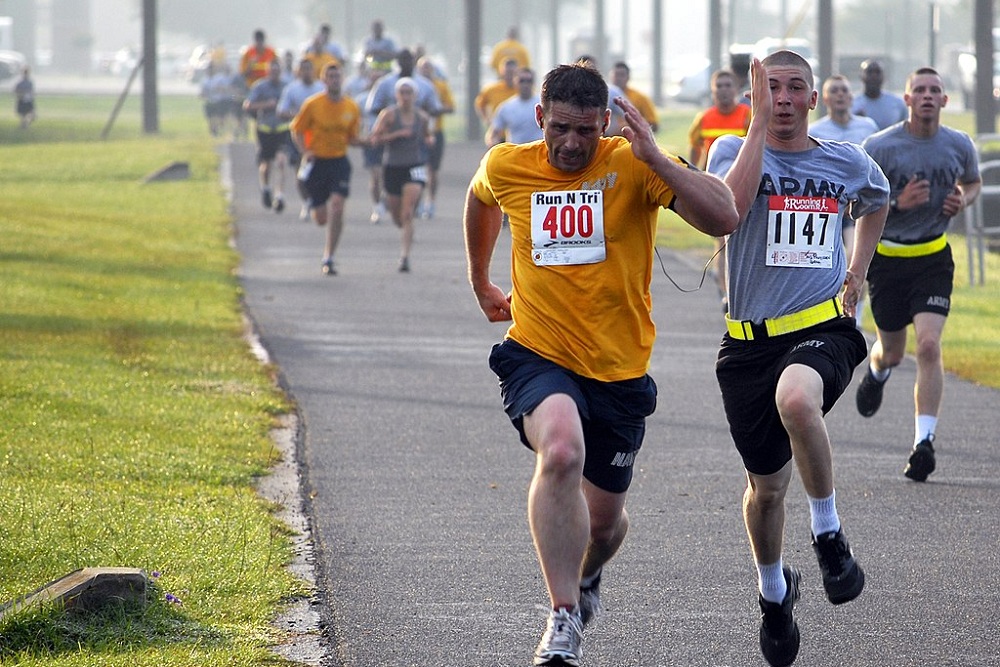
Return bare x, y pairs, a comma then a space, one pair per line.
418, 484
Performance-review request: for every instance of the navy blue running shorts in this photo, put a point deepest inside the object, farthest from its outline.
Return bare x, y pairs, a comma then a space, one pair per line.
436, 154
269, 143
613, 413
372, 156
901, 287
328, 176
748, 373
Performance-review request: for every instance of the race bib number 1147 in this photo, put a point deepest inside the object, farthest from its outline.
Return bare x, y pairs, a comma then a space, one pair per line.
801, 231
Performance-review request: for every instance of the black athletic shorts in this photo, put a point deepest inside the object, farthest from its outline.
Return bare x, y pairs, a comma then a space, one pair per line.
613, 413
748, 373
372, 156
901, 287
394, 178
328, 176
436, 152
269, 143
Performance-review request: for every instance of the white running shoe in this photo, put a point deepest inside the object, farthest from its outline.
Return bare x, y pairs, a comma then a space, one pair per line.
378, 212
560, 644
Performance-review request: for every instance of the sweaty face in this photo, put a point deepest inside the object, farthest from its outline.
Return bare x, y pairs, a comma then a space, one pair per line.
619, 77
724, 91
837, 95
572, 134
333, 78
792, 98
925, 96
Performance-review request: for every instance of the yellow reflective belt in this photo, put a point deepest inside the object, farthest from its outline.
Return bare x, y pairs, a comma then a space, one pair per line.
891, 249
822, 312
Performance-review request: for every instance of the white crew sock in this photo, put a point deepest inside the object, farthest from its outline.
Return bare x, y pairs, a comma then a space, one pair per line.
823, 512
925, 428
771, 582
880, 375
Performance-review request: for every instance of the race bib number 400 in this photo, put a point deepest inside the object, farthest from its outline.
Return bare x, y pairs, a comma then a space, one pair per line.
801, 231
567, 227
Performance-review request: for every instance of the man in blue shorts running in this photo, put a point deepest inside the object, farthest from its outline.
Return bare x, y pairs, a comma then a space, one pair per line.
573, 364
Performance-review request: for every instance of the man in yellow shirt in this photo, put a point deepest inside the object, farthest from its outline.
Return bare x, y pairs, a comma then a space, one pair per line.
509, 48
325, 126
492, 94
620, 76
573, 365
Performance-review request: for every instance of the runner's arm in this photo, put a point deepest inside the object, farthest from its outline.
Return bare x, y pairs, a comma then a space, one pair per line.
482, 228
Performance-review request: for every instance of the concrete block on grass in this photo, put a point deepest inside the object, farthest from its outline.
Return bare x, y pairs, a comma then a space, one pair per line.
88, 589
175, 171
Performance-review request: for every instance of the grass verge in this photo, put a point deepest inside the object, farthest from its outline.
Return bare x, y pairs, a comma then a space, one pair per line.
135, 418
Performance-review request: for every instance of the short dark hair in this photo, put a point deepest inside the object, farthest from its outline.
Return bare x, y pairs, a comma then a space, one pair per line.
578, 84
923, 70
789, 59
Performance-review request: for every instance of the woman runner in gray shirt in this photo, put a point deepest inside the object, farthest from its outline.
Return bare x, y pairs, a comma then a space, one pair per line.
406, 132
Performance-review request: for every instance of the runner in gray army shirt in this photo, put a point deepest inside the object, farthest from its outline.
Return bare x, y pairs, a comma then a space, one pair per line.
791, 344
934, 174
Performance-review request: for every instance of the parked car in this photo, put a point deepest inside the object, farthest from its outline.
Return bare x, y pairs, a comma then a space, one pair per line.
966, 63
12, 64
688, 82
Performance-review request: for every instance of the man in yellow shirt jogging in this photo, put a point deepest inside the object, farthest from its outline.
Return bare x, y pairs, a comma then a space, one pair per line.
573, 364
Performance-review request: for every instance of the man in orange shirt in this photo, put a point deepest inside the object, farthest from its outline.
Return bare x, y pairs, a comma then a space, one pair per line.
255, 59
322, 130
725, 116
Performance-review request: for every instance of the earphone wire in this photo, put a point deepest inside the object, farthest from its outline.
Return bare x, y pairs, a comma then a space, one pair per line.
704, 271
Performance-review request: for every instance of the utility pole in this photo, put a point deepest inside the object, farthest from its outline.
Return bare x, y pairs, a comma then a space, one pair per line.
473, 43
935, 29
824, 29
715, 34
150, 110
983, 32
658, 52
600, 36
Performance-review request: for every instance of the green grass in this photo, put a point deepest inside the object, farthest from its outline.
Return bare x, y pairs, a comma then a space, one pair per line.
134, 416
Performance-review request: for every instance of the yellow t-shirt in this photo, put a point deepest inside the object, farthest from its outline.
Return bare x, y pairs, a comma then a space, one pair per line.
492, 94
329, 126
509, 49
319, 60
643, 104
447, 101
593, 319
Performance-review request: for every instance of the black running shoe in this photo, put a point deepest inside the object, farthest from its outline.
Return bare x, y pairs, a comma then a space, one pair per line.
843, 578
921, 463
869, 397
265, 197
779, 633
